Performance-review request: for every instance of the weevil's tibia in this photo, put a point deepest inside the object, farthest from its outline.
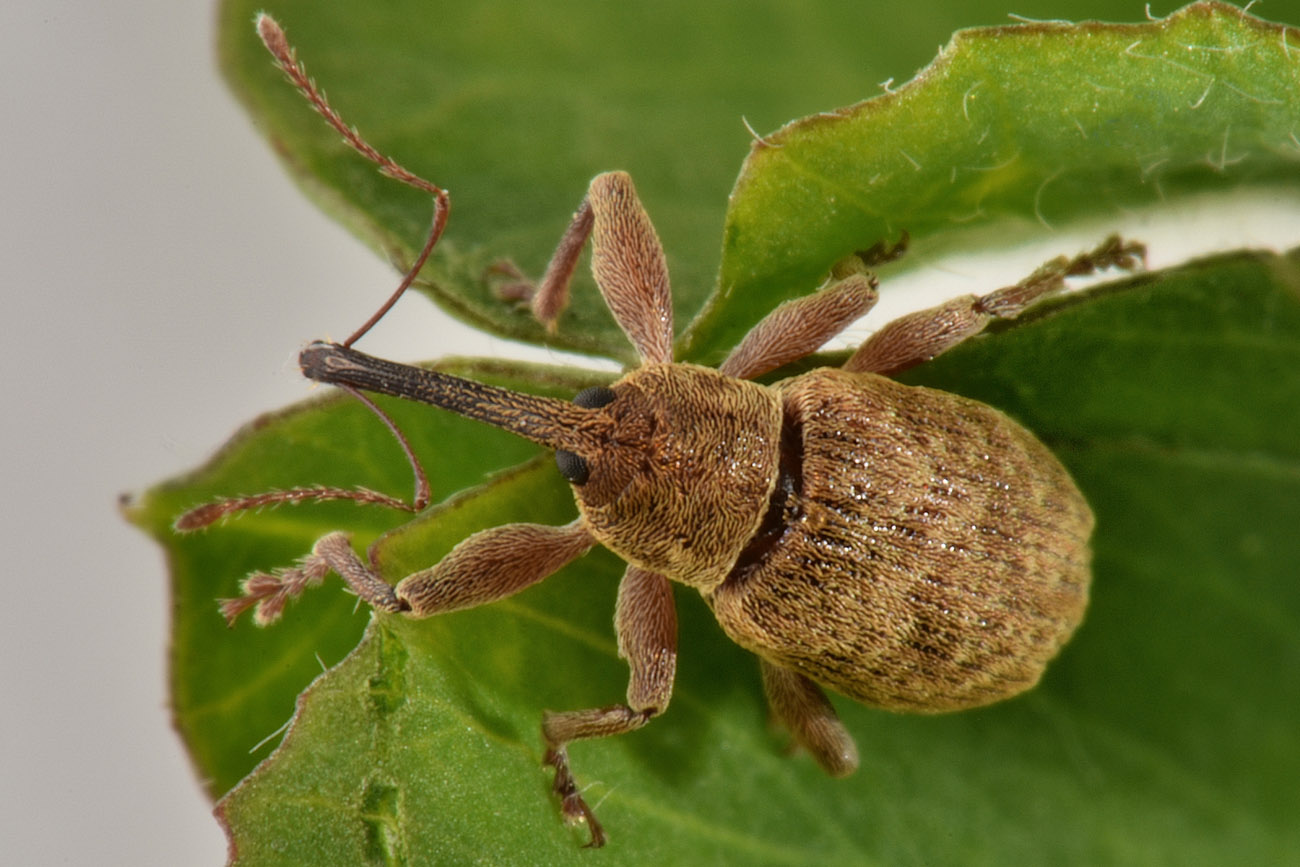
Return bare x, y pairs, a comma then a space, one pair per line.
286, 59
209, 513
801, 326
802, 707
552, 296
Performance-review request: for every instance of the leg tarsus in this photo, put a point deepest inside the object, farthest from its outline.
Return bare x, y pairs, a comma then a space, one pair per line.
561, 729
572, 806
883, 252
269, 592
1010, 301
510, 284
925, 334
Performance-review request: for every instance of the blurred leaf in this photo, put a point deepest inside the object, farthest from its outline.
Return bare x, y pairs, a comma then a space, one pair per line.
1164, 734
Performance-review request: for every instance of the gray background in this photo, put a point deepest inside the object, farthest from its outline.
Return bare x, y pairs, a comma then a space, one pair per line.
159, 274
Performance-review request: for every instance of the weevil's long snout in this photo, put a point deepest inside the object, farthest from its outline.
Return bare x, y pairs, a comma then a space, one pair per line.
335, 364
556, 424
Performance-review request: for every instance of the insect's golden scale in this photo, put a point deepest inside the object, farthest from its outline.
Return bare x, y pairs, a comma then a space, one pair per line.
905, 547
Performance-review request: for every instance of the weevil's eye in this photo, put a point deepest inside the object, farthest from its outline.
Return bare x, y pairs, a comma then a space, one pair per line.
572, 467
593, 398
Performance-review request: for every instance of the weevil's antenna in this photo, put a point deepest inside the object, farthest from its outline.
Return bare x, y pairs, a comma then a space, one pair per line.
209, 513
287, 60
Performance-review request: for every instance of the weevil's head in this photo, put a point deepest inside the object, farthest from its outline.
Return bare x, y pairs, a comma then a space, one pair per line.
680, 480
672, 466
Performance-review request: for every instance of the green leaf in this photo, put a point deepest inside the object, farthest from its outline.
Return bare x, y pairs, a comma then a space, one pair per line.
247, 675
1010, 132
514, 106
1164, 733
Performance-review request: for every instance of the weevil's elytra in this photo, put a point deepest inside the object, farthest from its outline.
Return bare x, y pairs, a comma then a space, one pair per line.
933, 554
908, 548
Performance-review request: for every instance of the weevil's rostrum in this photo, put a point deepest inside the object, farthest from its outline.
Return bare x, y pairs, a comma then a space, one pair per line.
908, 548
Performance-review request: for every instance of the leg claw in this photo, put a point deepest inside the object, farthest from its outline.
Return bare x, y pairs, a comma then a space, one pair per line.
572, 806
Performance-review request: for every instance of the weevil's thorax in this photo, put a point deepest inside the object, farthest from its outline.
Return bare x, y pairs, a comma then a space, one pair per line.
685, 475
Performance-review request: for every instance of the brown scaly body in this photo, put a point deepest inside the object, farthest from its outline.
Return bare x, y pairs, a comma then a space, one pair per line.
922, 552
932, 555
908, 548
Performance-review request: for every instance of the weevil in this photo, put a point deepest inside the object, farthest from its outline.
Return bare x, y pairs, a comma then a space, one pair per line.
907, 548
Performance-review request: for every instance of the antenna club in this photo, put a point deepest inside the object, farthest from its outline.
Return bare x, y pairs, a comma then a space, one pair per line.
272, 35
